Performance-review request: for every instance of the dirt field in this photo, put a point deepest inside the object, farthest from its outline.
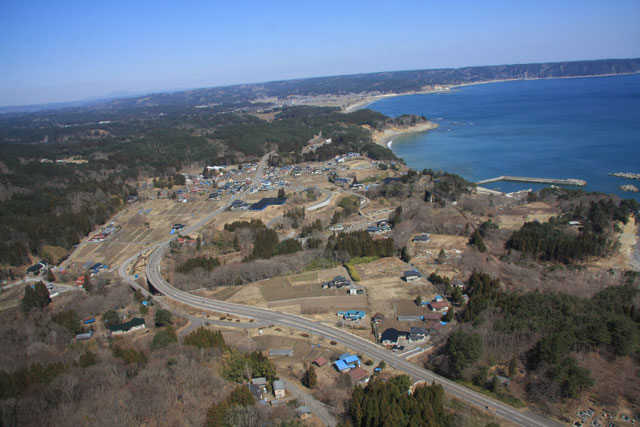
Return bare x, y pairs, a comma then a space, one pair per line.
141, 224
623, 259
384, 285
512, 219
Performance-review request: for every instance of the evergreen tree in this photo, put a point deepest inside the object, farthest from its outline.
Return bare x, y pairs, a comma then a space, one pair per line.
281, 193
463, 350
35, 296
404, 254
163, 338
310, 378
87, 282
205, 338
50, 276
87, 359
163, 317
450, 315
69, 319
110, 318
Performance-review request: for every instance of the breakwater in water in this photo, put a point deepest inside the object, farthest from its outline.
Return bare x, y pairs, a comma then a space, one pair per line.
569, 181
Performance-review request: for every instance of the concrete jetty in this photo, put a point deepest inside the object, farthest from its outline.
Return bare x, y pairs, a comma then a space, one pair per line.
570, 181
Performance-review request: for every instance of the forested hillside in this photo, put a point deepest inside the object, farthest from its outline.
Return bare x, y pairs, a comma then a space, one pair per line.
380, 83
44, 202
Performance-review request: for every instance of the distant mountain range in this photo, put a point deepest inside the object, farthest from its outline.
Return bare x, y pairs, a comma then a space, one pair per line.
373, 83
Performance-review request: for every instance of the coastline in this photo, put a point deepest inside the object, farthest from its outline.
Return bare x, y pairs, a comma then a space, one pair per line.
447, 88
386, 137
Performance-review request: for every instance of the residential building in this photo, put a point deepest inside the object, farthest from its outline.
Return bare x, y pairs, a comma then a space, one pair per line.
417, 334
439, 306
411, 276
346, 361
422, 238
132, 325
354, 315
256, 391
358, 376
278, 389
390, 337
338, 282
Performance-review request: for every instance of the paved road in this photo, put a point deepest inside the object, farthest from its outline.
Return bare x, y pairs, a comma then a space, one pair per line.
357, 344
318, 408
351, 341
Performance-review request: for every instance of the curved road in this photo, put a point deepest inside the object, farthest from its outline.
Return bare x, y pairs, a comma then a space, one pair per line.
360, 345
331, 333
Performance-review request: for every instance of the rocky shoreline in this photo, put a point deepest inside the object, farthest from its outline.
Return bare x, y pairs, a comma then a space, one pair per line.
627, 175
629, 188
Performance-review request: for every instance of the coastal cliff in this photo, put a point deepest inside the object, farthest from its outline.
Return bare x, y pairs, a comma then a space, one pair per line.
405, 124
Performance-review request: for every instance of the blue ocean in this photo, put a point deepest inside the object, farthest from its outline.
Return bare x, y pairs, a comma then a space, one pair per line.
563, 128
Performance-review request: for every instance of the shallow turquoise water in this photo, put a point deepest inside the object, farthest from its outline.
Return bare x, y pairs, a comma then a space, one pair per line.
563, 128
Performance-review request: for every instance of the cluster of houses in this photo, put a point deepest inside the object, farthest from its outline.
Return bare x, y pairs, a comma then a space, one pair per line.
341, 282
258, 388
337, 282
381, 227
102, 235
391, 337
421, 326
350, 364
35, 269
437, 305
93, 269
186, 242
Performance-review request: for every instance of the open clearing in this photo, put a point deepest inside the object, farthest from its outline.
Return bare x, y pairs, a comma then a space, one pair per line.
514, 218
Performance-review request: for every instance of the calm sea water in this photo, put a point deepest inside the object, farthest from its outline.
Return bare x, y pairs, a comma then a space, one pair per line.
564, 128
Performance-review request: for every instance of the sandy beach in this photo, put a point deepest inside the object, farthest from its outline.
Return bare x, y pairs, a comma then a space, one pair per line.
362, 103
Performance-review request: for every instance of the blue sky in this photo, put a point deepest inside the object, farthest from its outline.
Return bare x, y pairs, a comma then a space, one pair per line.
67, 50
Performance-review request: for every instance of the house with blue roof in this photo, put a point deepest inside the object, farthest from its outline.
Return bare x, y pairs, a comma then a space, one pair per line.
354, 315
346, 361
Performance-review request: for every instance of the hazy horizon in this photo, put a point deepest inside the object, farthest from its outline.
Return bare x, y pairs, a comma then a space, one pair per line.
73, 51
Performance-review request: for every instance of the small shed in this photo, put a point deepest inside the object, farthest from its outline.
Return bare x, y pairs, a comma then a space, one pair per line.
412, 318
281, 352
320, 361
303, 411
378, 318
